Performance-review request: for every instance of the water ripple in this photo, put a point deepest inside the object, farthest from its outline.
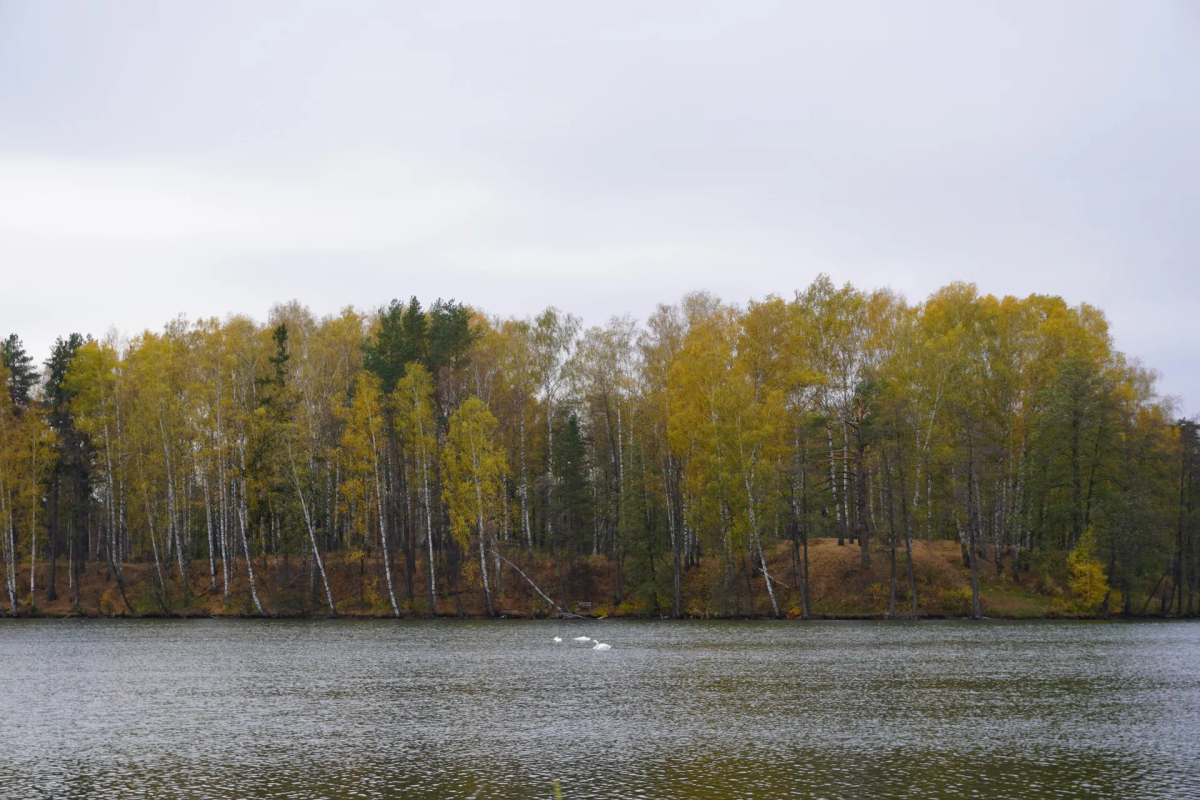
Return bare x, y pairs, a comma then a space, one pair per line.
204, 709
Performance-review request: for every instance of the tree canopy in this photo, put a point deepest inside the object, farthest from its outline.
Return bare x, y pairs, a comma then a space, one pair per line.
690, 460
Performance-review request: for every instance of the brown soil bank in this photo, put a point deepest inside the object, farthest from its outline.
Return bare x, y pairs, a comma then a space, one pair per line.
840, 589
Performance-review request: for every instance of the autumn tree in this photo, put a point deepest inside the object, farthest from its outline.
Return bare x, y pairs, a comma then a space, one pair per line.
473, 481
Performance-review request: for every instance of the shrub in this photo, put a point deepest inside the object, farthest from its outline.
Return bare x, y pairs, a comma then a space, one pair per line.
1049, 571
145, 602
957, 602
372, 596
1047, 586
286, 603
1116, 602
632, 606
1087, 580
240, 605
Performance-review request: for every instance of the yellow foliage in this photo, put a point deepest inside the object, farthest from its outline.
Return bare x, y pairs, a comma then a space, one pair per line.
371, 595
957, 602
631, 607
1088, 582
1116, 601
473, 470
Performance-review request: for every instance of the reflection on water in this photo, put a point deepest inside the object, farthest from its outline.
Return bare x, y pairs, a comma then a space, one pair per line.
224, 709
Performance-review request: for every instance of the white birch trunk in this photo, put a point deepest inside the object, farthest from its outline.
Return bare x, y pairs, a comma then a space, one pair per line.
476, 466
387, 566
762, 557
846, 476
113, 535
620, 469
32, 526
549, 470
243, 521
10, 556
525, 489
153, 538
173, 533
223, 525
208, 520
312, 537
429, 534
837, 508
671, 527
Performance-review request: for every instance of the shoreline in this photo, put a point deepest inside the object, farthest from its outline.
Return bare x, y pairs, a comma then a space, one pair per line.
372, 617
839, 590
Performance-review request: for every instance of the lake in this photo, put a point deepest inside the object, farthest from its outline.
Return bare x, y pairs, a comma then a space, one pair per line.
354, 709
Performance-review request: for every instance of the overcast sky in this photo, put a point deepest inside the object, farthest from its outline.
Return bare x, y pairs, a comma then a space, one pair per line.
205, 158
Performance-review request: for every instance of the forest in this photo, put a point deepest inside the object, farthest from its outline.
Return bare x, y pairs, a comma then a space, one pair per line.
716, 460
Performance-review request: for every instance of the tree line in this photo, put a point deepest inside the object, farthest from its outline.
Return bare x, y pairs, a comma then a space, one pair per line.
448, 448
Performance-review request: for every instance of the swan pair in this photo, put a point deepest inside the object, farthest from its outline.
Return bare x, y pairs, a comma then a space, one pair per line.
599, 645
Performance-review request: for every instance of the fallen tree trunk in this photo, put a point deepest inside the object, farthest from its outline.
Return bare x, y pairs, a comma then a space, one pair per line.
561, 612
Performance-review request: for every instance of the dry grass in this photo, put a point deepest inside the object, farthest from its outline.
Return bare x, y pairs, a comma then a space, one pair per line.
839, 588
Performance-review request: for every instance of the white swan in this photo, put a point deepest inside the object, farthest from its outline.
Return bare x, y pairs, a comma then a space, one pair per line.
582, 639
558, 640
602, 646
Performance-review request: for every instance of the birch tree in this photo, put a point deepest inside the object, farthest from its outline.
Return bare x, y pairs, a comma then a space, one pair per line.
364, 442
413, 400
473, 481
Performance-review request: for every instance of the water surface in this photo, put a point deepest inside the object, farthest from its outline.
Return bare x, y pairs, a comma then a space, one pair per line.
237, 709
